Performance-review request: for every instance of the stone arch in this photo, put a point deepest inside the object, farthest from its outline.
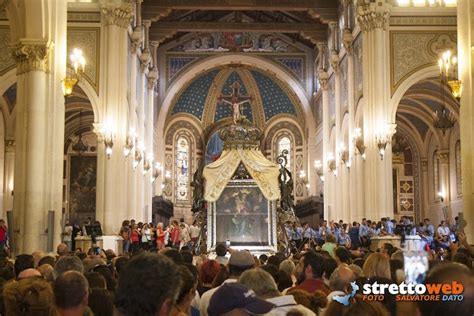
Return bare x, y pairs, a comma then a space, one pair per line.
424, 73
244, 59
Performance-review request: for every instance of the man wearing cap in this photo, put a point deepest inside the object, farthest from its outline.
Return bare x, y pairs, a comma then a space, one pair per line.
239, 262
233, 299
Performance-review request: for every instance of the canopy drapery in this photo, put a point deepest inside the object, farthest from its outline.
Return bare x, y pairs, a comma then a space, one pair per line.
264, 172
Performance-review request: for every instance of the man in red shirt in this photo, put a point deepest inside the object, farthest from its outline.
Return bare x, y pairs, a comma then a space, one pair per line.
3, 234
313, 268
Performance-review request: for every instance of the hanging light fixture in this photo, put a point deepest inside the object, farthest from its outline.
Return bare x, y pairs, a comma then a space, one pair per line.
80, 147
444, 119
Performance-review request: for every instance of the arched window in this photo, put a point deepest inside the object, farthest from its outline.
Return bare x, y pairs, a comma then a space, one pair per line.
182, 169
285, 143
457, 152
436, 182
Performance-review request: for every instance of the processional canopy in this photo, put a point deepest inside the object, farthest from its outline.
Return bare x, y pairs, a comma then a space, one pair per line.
241, 146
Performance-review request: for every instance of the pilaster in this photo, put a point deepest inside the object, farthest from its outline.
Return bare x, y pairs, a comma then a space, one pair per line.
38, 157
112, 173
373, 21
465, 34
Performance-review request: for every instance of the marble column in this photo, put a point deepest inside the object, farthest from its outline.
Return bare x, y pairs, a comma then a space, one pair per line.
112, 172
373, 21
355, 193
444, 181
152, 80
465, 16
39, 49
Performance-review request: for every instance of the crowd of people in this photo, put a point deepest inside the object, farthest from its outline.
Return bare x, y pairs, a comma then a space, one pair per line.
356, 235
148, 236
162, 274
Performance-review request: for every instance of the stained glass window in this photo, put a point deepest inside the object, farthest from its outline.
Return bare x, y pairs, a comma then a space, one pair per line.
182, 170
457, 151
285, 143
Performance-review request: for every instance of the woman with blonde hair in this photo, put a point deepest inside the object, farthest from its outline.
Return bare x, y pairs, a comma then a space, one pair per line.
376, 265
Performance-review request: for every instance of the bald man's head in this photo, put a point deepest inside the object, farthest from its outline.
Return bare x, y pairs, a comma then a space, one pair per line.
341, 278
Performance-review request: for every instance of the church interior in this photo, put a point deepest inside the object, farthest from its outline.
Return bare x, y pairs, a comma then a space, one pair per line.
109, 107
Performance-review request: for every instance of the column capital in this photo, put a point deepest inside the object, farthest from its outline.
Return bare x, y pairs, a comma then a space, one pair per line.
443, 156
137, 38
373, 16
117, 14
323, 78
424, 164
335, 63
152, 77
10, 145
31, 55
347, 39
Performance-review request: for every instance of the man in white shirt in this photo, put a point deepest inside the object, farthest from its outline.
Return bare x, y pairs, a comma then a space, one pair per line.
239, 262
67, 235
194, 231
443, 234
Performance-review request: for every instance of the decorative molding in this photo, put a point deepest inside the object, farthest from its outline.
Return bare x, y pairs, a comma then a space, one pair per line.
412, 50
423, 21
79, 16
120, 15
7, 62
31, 55
88, 40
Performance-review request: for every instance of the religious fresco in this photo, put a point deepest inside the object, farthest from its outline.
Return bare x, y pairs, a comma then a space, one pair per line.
235, 42
82, 187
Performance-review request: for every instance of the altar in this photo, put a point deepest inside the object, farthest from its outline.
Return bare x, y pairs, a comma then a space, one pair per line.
412, 242
241, 192
104, 242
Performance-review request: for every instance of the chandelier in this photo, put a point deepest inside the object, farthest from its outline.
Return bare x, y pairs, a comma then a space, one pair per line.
444, 119
80, 147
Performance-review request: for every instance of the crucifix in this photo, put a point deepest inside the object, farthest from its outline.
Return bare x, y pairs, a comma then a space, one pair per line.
236, 101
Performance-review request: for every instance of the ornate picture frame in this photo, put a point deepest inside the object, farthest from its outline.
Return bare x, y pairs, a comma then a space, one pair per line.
243, 217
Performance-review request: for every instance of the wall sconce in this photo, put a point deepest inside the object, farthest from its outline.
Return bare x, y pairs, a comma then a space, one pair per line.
157, 168
332, 163
441, 196
448, 69
319, 169
384, 137
129, 142
137, 158
359, 142
382, 141
147, 162
344, 155
304, 179
78, 63
109, 136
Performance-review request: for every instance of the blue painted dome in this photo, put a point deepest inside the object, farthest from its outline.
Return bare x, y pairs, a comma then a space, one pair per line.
195, 97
